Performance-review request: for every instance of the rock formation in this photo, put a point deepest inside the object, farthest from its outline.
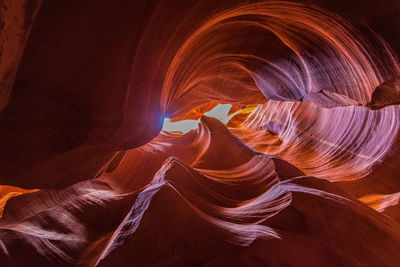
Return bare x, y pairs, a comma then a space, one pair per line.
186, 133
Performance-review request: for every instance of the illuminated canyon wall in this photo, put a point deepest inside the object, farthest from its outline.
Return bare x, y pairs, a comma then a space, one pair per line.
186, 133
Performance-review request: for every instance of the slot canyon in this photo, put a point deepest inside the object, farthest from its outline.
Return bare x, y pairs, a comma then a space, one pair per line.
199, 133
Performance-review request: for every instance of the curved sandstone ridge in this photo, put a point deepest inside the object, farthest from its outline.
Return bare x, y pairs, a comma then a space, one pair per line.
301, 168
242, 214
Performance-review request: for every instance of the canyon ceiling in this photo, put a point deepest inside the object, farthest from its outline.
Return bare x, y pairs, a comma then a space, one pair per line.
292, 156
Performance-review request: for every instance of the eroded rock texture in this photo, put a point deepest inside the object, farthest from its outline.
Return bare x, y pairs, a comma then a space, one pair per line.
292, 155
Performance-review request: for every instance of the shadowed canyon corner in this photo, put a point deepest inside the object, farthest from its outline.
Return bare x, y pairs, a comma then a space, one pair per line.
199, 133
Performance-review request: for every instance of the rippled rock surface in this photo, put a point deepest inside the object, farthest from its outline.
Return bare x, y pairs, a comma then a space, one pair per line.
216, 133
